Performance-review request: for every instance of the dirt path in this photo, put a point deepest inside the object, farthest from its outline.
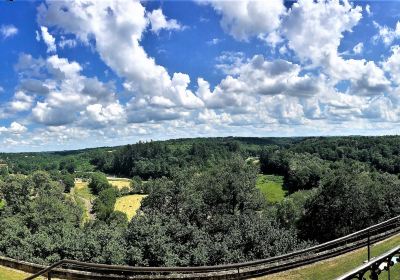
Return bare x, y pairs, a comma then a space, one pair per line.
86, 202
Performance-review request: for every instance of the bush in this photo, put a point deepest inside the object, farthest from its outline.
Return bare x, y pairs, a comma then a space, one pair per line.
98, 182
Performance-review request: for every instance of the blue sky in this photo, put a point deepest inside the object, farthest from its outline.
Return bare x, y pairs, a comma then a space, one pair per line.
96, 73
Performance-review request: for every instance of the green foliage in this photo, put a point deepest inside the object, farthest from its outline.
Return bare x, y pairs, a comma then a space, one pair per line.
271, 187
203, 206
304, 172
104, 204
98, 182
3, 171
291, 209
39, 223
350, 199
68, 164
68, 182
207, 218
157, 159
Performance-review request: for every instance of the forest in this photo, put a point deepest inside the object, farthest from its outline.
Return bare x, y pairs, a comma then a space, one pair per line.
202, 203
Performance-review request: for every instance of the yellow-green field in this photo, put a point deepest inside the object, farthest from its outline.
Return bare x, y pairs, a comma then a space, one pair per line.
271, 187
120, 182
253, 160
335, 267
12, 274
129, 204
83, 198
82, 190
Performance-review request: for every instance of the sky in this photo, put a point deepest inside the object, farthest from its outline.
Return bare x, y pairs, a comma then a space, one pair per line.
88, 73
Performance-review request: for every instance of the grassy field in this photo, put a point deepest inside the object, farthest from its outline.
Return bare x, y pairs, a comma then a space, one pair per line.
11, 274
119, 182
83, 198
253, 160
335, 267
271, 187
82, 190
129, 204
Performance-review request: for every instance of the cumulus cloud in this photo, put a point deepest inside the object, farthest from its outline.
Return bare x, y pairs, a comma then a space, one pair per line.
59, 94
21, 102
8, 31
387, 34
34, 86
49, 40
14, 128
158, 22
121, 23
392, 64
263, 77
245, 19
264, 92
98, 115
313, 38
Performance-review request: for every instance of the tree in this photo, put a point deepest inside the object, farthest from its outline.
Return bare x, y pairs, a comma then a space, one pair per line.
98, 182
68, 182
68, 164
104, 204
341, 206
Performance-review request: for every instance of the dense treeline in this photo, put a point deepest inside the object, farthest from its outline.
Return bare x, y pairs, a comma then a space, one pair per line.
382, 153
212, 217
202, 206
157, 159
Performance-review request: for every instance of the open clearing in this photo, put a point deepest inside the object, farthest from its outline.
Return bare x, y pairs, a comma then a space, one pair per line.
119, 182
12, 274
83, 197
82, 190
271, 187
335, 267
129, 204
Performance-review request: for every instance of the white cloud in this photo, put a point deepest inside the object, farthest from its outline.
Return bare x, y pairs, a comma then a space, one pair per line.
37, 35
8, 31
17, 128
14, 128
313, 38
387, 34
97, 115
229, 62
368, 10
121, 23
214, 41
60, 93
392, 64
245, 19
70, 43
260, 76
273, 38
209, 116
255, 94
358, 49
159, 22
21, 102
48, 39
316, 40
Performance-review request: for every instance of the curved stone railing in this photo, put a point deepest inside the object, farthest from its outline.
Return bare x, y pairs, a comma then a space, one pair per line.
70, 269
